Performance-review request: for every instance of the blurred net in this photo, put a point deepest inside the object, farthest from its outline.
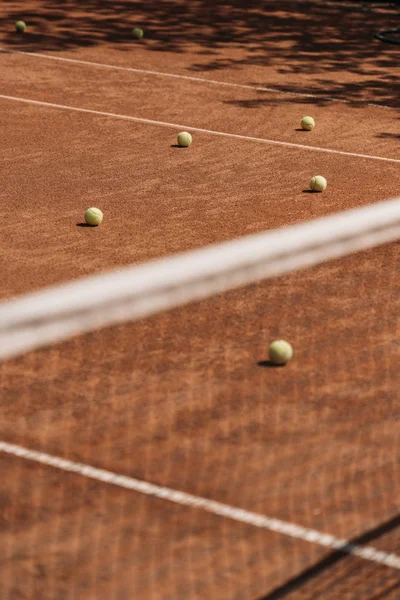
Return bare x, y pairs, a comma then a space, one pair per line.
71, 309
186, 399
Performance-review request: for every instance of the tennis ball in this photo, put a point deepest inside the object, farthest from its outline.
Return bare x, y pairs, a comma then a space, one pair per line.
93, 216
307, 123
137, 33
318, 183
280, 352
20, 26
184, 139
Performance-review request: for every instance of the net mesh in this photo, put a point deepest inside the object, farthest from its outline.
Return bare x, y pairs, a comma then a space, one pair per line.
187, 399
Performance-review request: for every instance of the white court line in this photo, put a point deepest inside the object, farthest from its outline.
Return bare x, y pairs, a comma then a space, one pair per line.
217, 508
196, 79
198, 129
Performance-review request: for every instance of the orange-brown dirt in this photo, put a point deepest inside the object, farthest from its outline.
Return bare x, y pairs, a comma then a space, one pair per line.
186, 399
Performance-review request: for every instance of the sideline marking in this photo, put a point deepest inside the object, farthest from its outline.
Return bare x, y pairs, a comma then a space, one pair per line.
198, 129
210, 506
197, 79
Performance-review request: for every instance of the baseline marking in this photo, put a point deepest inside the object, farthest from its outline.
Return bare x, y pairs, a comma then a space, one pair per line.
198, 129
210, 506
197, 79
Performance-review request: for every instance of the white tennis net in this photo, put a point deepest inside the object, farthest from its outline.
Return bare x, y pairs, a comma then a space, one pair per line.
56, 314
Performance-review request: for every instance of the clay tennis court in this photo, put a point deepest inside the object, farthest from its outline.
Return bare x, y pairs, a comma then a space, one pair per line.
186, 399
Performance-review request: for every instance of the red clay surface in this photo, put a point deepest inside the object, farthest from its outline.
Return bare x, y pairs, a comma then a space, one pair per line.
184, 399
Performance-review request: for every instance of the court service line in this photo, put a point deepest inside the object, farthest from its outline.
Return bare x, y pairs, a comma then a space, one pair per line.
196, 79
197, 502
191, 128
217, 508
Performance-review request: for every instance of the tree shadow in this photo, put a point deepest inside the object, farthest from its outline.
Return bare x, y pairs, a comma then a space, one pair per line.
332, 48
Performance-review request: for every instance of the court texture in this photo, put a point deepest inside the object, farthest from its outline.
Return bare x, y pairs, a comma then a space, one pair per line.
154, 452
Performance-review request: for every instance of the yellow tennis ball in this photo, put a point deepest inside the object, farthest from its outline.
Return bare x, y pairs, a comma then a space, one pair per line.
280, 352
307, 123
93, 216
137, 33
318, 183
20, 26
184, 139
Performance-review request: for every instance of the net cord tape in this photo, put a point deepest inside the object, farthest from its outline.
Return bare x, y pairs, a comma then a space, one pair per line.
61, 312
